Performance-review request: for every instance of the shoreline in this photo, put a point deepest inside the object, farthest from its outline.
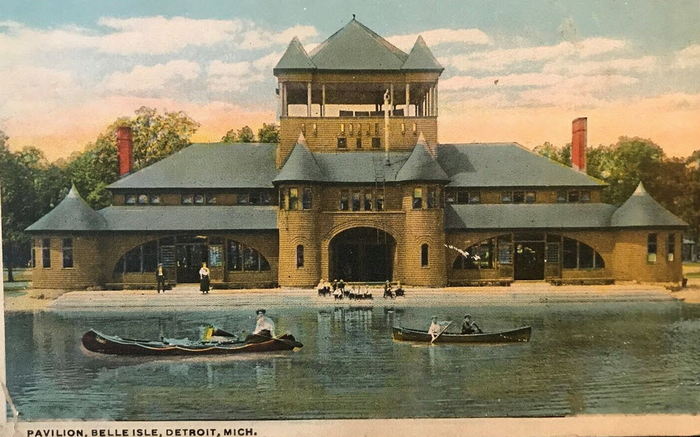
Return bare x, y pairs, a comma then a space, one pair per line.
187, 296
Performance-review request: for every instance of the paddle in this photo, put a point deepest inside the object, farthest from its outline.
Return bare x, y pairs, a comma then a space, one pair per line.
441, 332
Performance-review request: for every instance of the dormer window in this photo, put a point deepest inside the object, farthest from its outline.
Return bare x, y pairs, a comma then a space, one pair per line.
130, 199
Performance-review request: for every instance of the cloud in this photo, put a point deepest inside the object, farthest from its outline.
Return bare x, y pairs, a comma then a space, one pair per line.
25, 88
504, 81
689, 57
151, 78
155, 35
234, 76
577, 91
436, 37
612, 66
500, 59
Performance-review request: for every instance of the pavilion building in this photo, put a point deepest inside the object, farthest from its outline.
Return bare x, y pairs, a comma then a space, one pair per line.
360, 189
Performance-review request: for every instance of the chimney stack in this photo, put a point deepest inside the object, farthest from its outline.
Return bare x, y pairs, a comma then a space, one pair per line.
125, 150
579, 138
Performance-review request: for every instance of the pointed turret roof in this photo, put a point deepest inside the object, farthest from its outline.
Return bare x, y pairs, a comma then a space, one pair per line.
295, 58
357, 47
72, 214
641, 210
301, 165
421, 166
421, 58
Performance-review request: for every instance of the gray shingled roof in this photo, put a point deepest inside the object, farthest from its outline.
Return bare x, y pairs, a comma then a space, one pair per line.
356, 47
72, 214
300, 166
295, 58
214, 165
505, 165
189, 218
641, 210
526, 216
360, 167
421, 166
421, 58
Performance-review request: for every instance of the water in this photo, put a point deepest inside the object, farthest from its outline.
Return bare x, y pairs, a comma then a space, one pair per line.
583, 359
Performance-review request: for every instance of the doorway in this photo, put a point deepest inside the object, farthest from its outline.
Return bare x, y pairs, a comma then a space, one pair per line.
362, 255
529, 260
189, 259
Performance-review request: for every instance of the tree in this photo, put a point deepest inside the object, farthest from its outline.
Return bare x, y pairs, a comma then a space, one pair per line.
269, 133
29, 187
230, 136
245, 135
155, 136
631, 160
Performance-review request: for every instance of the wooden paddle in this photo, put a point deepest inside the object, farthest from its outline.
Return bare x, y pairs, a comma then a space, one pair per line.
441, 332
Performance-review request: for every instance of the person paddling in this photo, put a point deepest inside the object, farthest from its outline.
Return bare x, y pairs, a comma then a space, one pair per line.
469, 326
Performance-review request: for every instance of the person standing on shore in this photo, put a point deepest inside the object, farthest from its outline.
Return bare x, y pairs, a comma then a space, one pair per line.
204, 279
160, 278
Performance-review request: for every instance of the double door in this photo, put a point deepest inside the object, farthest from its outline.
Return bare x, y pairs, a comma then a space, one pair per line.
189, 259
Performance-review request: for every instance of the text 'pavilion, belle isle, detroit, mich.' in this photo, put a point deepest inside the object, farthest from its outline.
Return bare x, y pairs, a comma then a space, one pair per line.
358, 188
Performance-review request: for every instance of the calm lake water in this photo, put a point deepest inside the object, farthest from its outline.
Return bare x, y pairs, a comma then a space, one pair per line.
583, 358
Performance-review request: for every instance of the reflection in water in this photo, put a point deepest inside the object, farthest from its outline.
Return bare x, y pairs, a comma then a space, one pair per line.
594, 358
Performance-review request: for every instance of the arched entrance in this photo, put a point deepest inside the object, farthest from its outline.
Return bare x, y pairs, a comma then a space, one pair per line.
362, 255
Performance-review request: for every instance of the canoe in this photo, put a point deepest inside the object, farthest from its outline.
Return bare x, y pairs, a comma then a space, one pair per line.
95, 341
512, 336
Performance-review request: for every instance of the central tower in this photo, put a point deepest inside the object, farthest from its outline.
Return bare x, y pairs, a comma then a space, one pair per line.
357, 92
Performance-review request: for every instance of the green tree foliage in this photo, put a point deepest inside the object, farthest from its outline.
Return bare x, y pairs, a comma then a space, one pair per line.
269, 133
245, 135
155, 136
230, 136
29, 187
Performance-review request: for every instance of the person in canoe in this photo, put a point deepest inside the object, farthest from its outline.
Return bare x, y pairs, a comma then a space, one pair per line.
264, 326
204, 279
469, 326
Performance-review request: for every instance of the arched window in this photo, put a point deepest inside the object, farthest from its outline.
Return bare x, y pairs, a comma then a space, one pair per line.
140, 259
243, 258
578, 255
300, 256
424, 249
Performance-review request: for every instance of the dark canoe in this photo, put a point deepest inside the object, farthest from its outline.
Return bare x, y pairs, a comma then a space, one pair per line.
512, 336
109, 344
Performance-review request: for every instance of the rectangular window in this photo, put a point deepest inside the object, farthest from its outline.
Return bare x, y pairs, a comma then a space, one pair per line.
306, 199
530, 197
254, 198
368, 201
130, 199
46, 253
32, 255
462, 197
671, 247
573, 196
300, 256
451, 196
343, 203
243, 198
216, 257
293, 198
358, 143
507, 197
67, 249
376, 142
265, 198
432, 198
552, 253
234, 261
651, 248
518, 196
380, 202
199, 199
417, 198
154, 199
211, 199
570, 253
561, 196
585, 196
505, 251
424, 258
150, 256
474, 197
342, 143
142, 199
187, 199
355, 200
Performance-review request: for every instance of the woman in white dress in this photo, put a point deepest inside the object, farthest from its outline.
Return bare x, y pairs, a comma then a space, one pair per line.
204, 279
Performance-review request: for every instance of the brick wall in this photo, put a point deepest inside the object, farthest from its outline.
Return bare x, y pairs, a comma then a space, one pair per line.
86, 271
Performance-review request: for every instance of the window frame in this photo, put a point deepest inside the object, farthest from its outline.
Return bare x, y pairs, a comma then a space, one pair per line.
671, 247
652, 248
293, 198
307, 196
300, 256
67, 250
424, 255
417, 198
46, 253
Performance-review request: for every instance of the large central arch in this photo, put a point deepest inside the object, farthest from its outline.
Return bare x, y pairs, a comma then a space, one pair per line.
362, 254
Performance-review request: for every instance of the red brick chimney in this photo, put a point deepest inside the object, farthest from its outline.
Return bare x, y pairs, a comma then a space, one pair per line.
125, 150
579, 138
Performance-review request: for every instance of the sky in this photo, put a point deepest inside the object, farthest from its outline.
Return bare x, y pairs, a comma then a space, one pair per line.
514, 71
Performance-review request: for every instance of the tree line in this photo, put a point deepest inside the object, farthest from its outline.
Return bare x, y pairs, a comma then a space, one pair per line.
30, 185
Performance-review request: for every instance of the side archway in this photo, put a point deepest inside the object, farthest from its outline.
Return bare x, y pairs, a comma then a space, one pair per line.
362, 254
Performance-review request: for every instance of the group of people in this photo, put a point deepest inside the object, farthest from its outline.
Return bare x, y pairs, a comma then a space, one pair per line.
437, 328
338, 290
392, 292
204, 280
